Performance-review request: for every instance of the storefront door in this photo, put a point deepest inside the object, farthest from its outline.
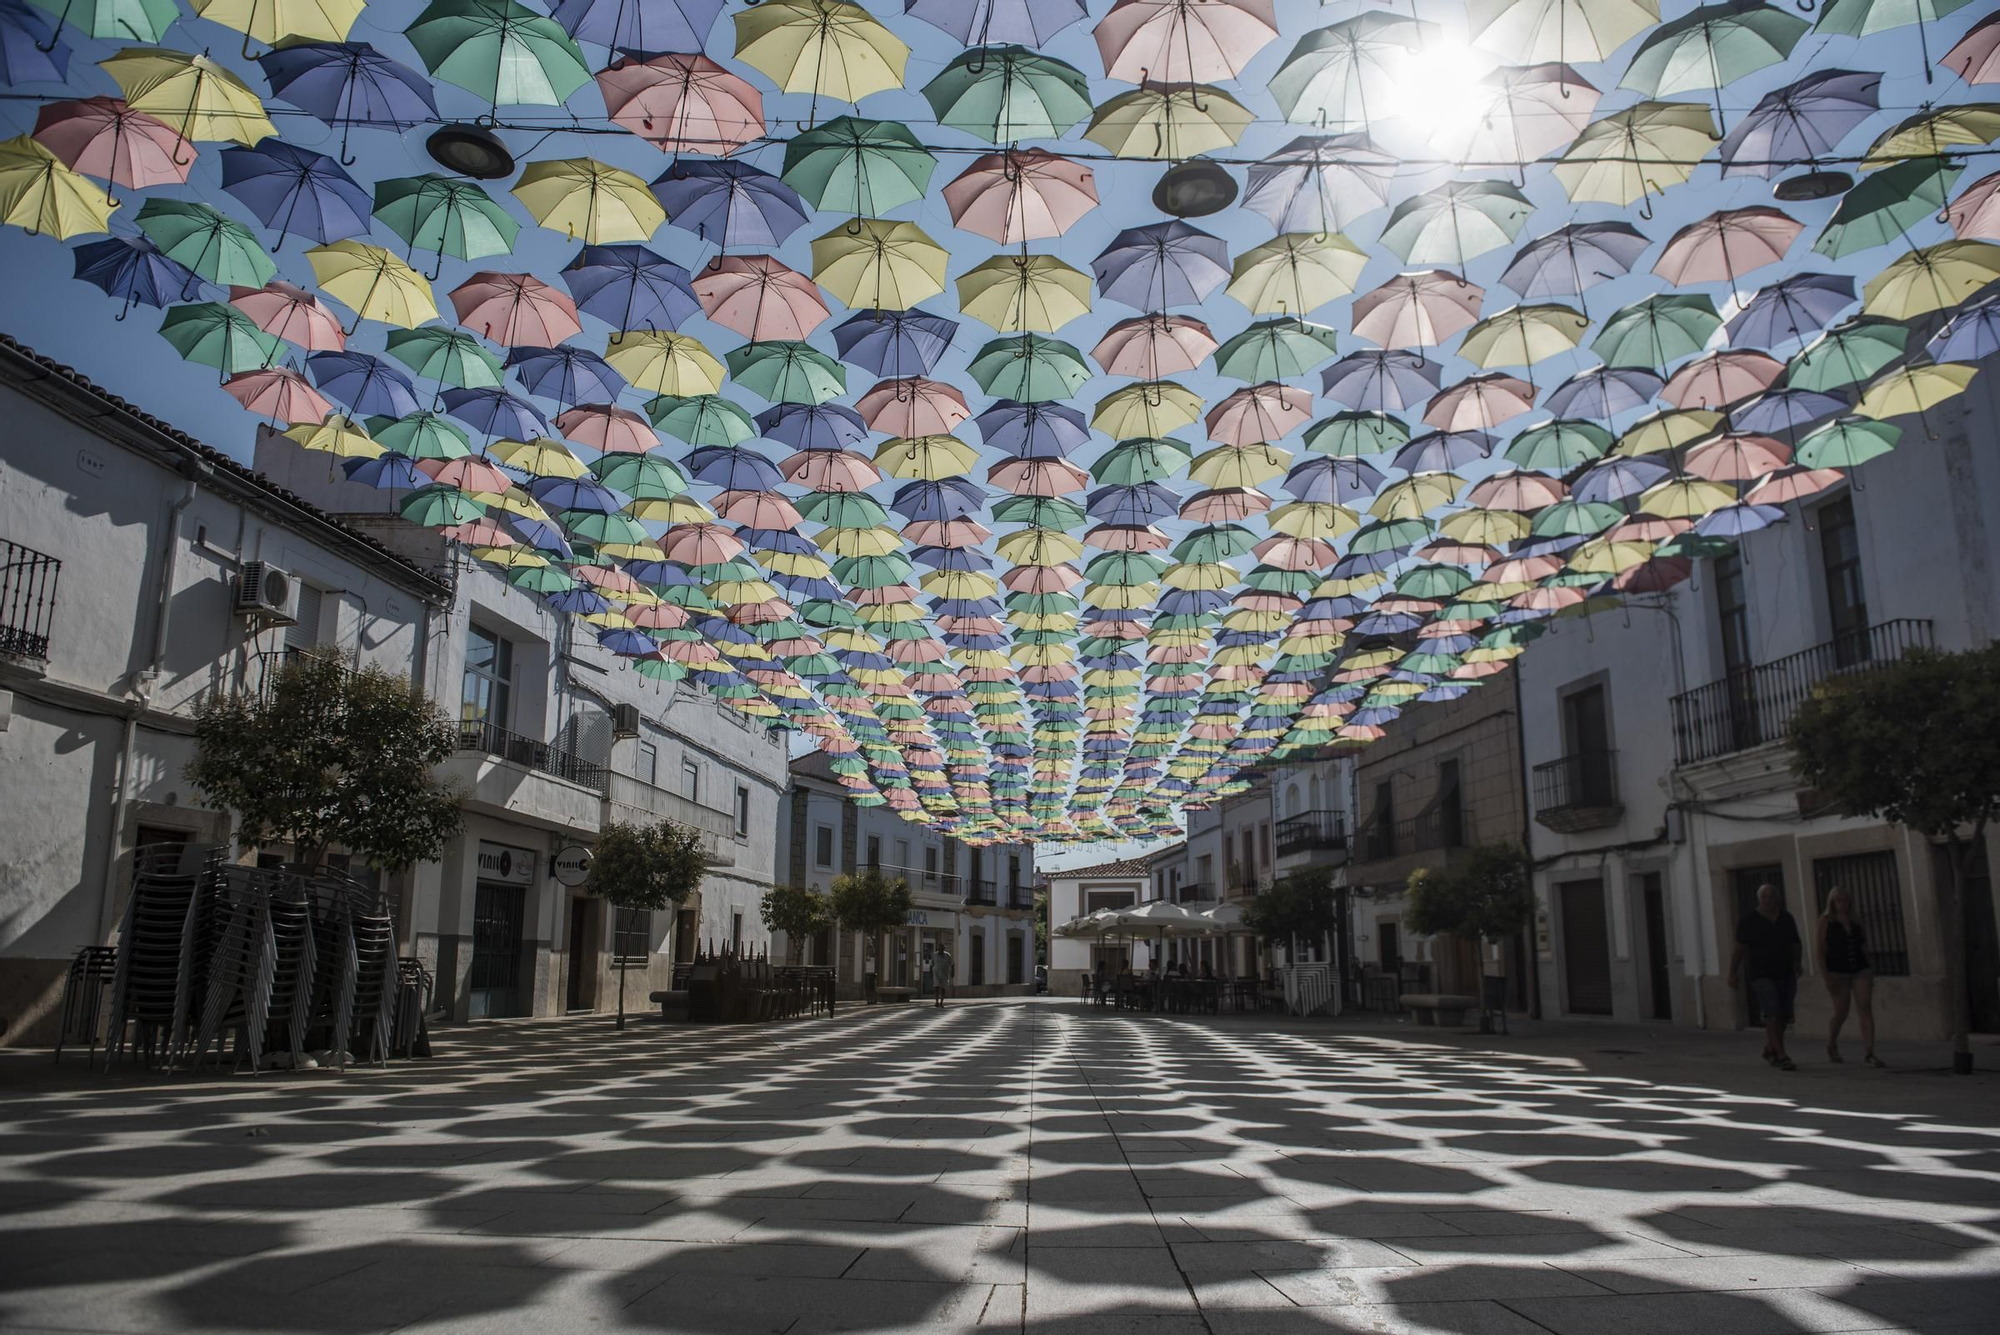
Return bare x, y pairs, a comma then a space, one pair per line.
496, 949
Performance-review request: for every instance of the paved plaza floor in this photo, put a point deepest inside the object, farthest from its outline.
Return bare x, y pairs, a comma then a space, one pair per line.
1023, 1165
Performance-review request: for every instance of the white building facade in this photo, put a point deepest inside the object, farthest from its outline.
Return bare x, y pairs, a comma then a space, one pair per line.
1079, 890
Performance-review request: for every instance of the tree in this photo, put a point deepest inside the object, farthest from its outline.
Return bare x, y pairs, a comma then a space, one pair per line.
1916, 742
870, 903
796, 910
327, 757
1484, 898
1041, 926
644, 868
1299, 906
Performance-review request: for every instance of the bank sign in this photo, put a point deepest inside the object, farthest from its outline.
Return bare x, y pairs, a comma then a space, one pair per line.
498, 862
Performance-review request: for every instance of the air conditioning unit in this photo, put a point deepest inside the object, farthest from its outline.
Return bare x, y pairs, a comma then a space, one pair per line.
625, 720
267, 593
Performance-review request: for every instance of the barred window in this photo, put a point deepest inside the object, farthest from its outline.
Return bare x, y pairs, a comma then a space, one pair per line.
632, 937
1872, 888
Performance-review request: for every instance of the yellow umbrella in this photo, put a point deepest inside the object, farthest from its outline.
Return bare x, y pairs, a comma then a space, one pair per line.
196, 96
610, 620
827, 48
1491, 527
1914, 389
1599, 557
1685, 498
1262, 623
1934, 278
337, 435
926, 458
1043, 655
677, 510
801, 564
1356, 584
1150, 408
1369, 658
1239, 465
510, 558
1024, 293
667, 363
542, 457
878, 264
1934, 134
959, 584
1121, 597
984, 658
1168, 121
272, 21
849, 638
1669, 430
736, 592
1523, 335
40, 193
1200, 576
373, 283
859, 541
1296, 273
590, 199
1416, 495
1643, 149
1038, 547
514, 501
1313, 519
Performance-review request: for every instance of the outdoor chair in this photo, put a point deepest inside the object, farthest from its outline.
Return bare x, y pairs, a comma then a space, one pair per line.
92, 970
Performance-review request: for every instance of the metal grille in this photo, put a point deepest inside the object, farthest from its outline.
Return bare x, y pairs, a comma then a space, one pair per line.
27, 600
632, 937
1870, 882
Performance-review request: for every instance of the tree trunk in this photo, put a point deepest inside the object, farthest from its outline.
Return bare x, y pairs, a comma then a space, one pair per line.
620, 966
1952, 925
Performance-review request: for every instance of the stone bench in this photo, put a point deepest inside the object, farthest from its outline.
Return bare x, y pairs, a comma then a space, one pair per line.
894, 996
673, 1005
1436, 1008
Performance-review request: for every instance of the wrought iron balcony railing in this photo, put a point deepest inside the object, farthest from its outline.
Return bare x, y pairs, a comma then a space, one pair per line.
27, 601
1312, 832
547, 757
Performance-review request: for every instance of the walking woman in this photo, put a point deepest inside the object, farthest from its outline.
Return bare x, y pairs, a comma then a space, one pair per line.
1850, 978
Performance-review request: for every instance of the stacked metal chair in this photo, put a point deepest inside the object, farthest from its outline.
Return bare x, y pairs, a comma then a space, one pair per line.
241, 967
93, 970
163, 947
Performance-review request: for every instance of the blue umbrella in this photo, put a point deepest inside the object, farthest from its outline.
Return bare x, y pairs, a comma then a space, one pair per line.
297, 191
1161, 265
732, 468
1603, 392
628, 643
642, 27
778, 540
1438, 451
1570, 260
349, 84
1380, 381
1800, 122
584, 494
951, 558
726, 201
390, 472
947, 498
1613, 480
980, 22
629, 287
1786, 410
894, 343
1319, 183
812, 426
1331, 481
496, 412
368, 385
567, 375
1033, 430
1973, 334
582, 600
1797, 307
135, 270
1733, 521
1135, 506
29, 51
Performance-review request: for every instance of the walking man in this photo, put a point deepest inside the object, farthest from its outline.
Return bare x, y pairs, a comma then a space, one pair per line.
941, 973
1768, 952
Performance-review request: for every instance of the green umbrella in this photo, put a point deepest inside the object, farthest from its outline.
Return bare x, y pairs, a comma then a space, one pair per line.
1269, 579
1571, 517
1847, 443
855, 165
439, 507
666, 669
825, 612
1030, 368
843, 509
422, 435
1511, 637
1850, 353
449, 356
1214, 542
1432, 664
544, 579
1887, 204
1694, 544
215, 246
1558, 446
786, 371
1456, 221
1275, 350
499, 49
1711, 47
643, 477
1432, 581
1657, 330
1864, 18
1005, 93
701, 419
1349, 435
598, 529
118, 20
1041, 512
1388, 535
213, 334
1142, 459
450, 217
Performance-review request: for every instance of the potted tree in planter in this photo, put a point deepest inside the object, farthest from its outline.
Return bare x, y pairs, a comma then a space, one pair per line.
1485, 898
644, 867
870, 903
796, 910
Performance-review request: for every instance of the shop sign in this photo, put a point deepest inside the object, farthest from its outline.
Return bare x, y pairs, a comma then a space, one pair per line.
919, 918
571, 865
498, 862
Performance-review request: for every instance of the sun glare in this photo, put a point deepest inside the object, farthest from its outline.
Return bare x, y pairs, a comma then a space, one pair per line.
1435, 91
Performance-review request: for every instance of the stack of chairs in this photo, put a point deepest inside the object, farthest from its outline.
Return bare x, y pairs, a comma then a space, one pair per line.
412, 1002
164, 943
92, 970
242, 965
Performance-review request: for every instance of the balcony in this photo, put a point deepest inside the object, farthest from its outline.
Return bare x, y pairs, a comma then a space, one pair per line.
1753, 707
1578, 792
27, 601
984, 894
543, 757
1322, 834
1020, 896
1441, 827
923, 881
634, 800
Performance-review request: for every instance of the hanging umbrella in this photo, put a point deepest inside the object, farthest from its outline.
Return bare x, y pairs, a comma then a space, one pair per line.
1150, 409
1721, 379
134, 270
702, 419
1479, 403
280, 394
290, 313
1662, 432
639, 25
893, 343
294, 190
505, 52
1711, 47
1657, 330
1320, 184
1574, 258
197, 97
1440, 451
212, 334
211, 244
1736, 457
1525, 32
1971, 335
1914, 389
372, 283
348, 84
1604, 391
630, 287
1168, 122
812, 426
1886, 205
1636, 152
585, 198
1865, 18
1796, 307
1726, 244
1380, 381
759, 298
40, 194
1334, 73
1296, 273
1182, 41
567, 375
1258, 414
1275, 350
496, 412
272, 21
1976, 58
1151, 346
1141, 460
666, 364
1847, 443
1020, 195
1456, 221
1029, 368
449, 356
514, 309
1007, 93
913, 407
421, 435
787, 372
729, 201
1018, 293
828, 48
1417, 310
1523, 335
878, 264
978, 22
1935, 133
339, 436
928, 458
1161, 265
1803, 120
366, 384
1975, 214
1848, 354
1532, 110
859, 166
102, 137
29, 49
449, 217
679, 103
1350, 434
1933, 278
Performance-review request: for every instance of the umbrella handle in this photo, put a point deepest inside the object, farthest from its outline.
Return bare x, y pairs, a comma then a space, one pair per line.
55, 31
345, 160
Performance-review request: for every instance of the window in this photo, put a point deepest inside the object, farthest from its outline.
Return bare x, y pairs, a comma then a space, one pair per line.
489, 678
822, 846
1264, 838
1014, 869
736, 932
1840, 558
1870, 882
304, 632
631, 937
1229, 851
742, 809
1205, 867
690, 781
646, 763
874, 850
930, 866
1732, 607
1107, 899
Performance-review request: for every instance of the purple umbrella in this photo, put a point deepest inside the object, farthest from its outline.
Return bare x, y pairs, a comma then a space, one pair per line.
1733, 521
1320, 183
1796, 308
641, 27
1971, 335
812, 426
582, 494
29, 51
1442, 451
1160, 265
732, 468
629, 287
544, 536
1610, 481
1603, 392
1134, 506
1571, 260
135, 270
727, 201
297, 190
946, 498
1331, 481
1786, 410
496, 412
951, 558
1801, 120
894, 343
389, 472
1380, 381
368, 385
349, 84
567, 375
1033, 430
980, 22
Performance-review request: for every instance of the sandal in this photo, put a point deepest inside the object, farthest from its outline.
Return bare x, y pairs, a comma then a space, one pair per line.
1784, 1064
1874, 1060
1833, 1054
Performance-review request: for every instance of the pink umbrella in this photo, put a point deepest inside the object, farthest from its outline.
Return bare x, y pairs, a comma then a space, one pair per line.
1521, 569
701, 544
291, 313
515, 310
1474, 671
102, 137
1038, 477
948, 533
1646, 528
692, 653
830, 470
1511, 489
757, 614
1535, 109
1480, 402
1296, 553
1548, 599
1042, 579
1722, 378
1021, 194
759, 298
1259, 413
1225, 505
279, 393
467, 474
757, 509
1975, 214
913, 407
1258, 601
1727, 244
1792, 484
1737, 458
1452, 553
682, 103
1151, 346
658, 616
1654, 576
608, 578
1417, 310
607, 428
1127, 538
915, 651
1977, 55
1183, 41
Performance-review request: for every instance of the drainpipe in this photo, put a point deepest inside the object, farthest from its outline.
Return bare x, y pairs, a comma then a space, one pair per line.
1534, 951
196, 472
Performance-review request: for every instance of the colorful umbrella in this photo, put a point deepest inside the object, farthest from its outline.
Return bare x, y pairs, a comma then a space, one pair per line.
583, 197
978, 22
1636, 152
1417, 310
1008, 93
1575, 32
1726, 244
213, 334
675, 365
1533, 109
1933, 278
39, 193
1380, 381
291, 313
729, 201
1886, 205
1975, 214
294, 190
1794, 308
894, 343
878, 264
1456, 221
1020, 195
1029, 368
505, 52
1275, 350
1935, 133
1296, 273
1168, 122
272, 21
828, 48
679, 103
197, 97
1711, 47
1319, 184
280, 394
348, 84
1333, 74
118, 20
29, 49
451, 357
650, 25
364, 383
211, 244
514, 309
1864, 18
1182, 41
759, 298
135, 271
1523, 335
102, 137
1657, 330
1847, 354
1802, 120
858, 166
1018, 293
787, 372
449, 217
372, 283
1976, 57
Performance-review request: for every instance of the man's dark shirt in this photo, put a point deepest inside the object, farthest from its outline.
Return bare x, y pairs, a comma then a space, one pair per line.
1769, 945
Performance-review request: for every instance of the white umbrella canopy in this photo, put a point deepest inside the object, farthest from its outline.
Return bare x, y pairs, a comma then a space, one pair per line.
1088, 924
1226, 918
1162, 918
